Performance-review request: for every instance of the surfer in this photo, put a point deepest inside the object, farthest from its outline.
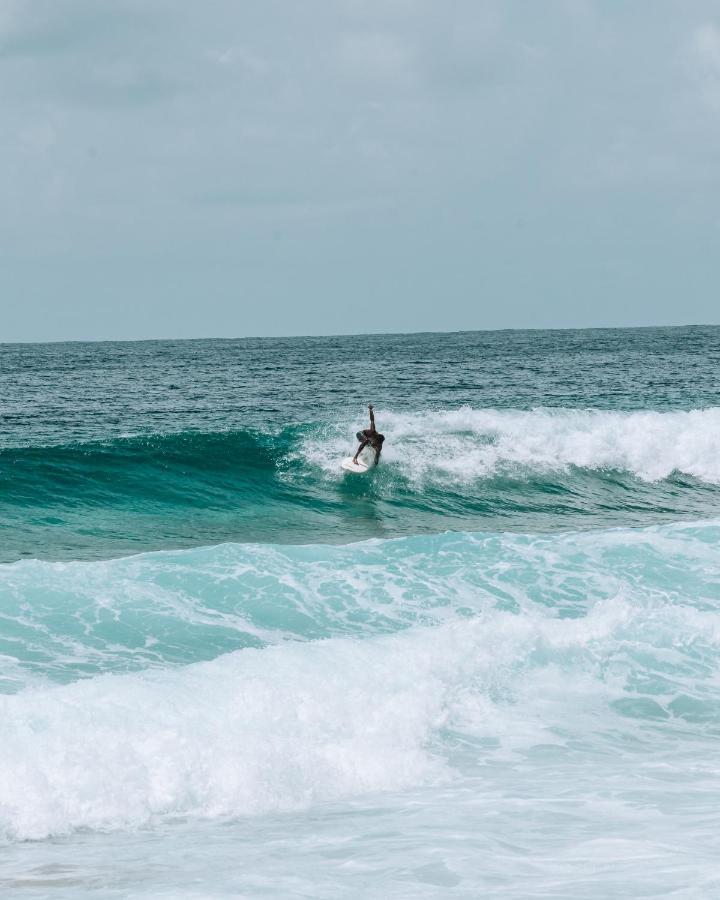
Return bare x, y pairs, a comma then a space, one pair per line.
370, 436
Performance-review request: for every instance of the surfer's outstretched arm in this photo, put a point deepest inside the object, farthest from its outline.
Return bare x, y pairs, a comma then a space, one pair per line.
372, 416
360, 449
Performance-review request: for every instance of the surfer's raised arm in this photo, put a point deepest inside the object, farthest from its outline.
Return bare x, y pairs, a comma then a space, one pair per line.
372, 416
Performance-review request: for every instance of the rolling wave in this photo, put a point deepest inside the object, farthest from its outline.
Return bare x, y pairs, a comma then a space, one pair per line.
446, 445
185, 468
179, 607
465, 470
467, 445
437, 657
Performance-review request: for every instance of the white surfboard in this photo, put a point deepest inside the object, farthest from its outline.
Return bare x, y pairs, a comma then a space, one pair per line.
356, 467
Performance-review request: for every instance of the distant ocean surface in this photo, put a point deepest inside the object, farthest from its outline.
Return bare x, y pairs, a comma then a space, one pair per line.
491, 667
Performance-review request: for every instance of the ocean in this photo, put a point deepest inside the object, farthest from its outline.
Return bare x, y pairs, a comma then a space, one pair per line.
488, 668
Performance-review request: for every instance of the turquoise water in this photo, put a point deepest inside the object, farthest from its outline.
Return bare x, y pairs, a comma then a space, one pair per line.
489, 668
111, 449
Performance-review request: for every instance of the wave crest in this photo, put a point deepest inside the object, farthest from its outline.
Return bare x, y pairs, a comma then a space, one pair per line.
459, 446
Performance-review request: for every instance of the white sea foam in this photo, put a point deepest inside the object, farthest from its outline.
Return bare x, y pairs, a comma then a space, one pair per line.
290, 726
468, 444
506, 648
253, 731
64, 621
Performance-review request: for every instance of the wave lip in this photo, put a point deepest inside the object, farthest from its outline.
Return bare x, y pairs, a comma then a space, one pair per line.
469, 444
463, 444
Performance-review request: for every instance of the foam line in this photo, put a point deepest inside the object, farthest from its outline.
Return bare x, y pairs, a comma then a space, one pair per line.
469, 444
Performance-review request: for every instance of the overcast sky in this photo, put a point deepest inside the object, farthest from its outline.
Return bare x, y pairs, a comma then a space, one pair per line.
258, 167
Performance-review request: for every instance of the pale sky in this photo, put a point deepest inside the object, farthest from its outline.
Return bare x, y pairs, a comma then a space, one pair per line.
261, 167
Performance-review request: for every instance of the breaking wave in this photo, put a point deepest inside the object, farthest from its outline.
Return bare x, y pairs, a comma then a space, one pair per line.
364, 668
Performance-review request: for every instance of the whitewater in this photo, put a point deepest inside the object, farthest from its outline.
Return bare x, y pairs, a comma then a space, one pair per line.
491, 668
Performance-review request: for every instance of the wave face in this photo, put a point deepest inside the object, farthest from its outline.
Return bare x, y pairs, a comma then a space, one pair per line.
373, 667
463, 469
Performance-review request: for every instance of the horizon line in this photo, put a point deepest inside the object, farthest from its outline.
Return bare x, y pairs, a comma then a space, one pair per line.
285, 337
